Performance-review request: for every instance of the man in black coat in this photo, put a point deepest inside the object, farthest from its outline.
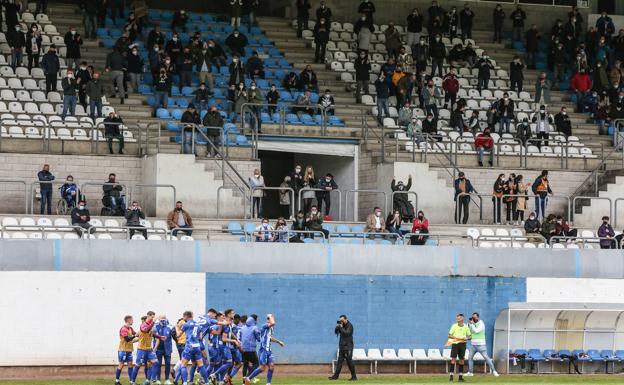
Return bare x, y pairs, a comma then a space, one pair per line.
237, 43
321, 37
324, 12
303, 15
516, 76
362, 75
518, 16
437, 51
73, 41
368, 8
112, 130
498, 17
51, 67
344, 329
17, 41
465, 22
532, 38
562, 122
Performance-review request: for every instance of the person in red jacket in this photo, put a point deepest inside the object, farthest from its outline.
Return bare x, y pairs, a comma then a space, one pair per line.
421, 226
450, 85
580, 83
484, 142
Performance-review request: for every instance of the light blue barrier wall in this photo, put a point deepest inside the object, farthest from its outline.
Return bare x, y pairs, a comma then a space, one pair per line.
387, 311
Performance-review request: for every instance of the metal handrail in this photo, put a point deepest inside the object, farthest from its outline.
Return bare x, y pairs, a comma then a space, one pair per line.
385, 195
33, 185
579, 239
292, 194
126, 229
591, 198
615, 212
507, 238
46, 131
301, 191
530, 196
364, 236
43, 229
480, 205
22, 182
249, 236
95, 135
254, 133
594, 174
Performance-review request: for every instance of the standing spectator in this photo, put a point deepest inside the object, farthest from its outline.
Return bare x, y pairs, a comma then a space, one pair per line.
112, 130
485, 66
83, 77
452, 20
296, 183
393, 223
161, 91
184, 67
434, 12
576, 18
414, 27
285, 197
383, 93
362, 75
437, 51
405, 60
364, 30
308, 80
323, 12
80, 218
375, 222
457, 120
419, 227
309, 184
484, 142
51, 67
70, 86
203, 66
237, 43
201, 97
179, 218
303, 15
518, 16
254, 97
430, 94
326, 103
257, 193
272, 98
497, 197
541, 189
604, 231
367, 8
236, 6
506, 113
314, 222
190, 119
542, 89
393, 40
11, 11
45, 188
73, 41
116, 64
521, 206
542, 127
465, 21
17, 41
563, 123
559, 61
321, 37
133, 216
135, 68
532, 39
133, 27
237, 71
510, 198
156, 59
601, 79
605, 26
95, 92
214, 123
420, 54
327, 184
180, 18
255, 67
450, 85
155, 38
173, 48
516, 75
33, 46
498, 18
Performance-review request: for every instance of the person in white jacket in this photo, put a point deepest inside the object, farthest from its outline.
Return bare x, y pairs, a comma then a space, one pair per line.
477, 328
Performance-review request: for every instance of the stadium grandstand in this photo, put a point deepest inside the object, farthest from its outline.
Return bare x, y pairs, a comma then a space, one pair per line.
292, 163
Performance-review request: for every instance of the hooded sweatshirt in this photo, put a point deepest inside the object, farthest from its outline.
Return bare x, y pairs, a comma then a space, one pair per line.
250, 335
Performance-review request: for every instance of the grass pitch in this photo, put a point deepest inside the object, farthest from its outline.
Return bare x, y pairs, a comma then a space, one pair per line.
381, 380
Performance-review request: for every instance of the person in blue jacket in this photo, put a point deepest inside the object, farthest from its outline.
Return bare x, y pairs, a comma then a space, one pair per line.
250, 336
163, 345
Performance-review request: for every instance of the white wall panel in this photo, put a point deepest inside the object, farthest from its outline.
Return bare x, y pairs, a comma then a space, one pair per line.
575, 290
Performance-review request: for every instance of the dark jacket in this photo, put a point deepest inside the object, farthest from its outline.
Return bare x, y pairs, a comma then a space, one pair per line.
254, 65
155, 38
324, 13
469, 188
155, 61
465, 19
506, 110
532, 226
382, 90
133, 217
484, 66
367, 8
536, 184
135, 64
190, 117
518, 16
112, 126
202, 95
73, 43
498, 17
236, 43
84, 76
76, 215
95, 90
185, 62
16, 39
213, 119
346, 335
50, 63
69, 86
38, 41
515, 71
563, 124
201, 58
414, 23
173, 49
362, 69
323, 184
272, 97
112, 190
237, 69
163, 84
308, 79
437, 50
532, 37
430, 127
45, 176
116, 61
603, 232
321, 33
457, 120
303, 8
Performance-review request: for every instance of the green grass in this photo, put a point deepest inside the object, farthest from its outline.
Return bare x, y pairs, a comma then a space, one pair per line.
381, 380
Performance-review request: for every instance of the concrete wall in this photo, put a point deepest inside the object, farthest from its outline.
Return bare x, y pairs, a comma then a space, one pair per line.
575, 290
591, 216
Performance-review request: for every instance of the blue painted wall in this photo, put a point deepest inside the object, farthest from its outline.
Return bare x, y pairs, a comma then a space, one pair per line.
386, 311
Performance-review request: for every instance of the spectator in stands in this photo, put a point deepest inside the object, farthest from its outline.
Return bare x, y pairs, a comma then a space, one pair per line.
521, 201
420, 55
462, 186
156, 60
430, 125
296, 183
457, 122
523, 131
190, 117
291, 82
45, 188
383, 93
414, 130
255, 67
299, 224
214, 122
309, 184
419, 227
73, 41
541, 189
173, 48
113, 197
605, 231
281, 231
303, 104
559, 61
450, 85
437, 52
393, 40
327, 184
216, 53
155, 38
51, 67
272, 98
132, 27
362, 75
605, 26
470, 56
179, 218
83, 77
429, 95
70, 192
323, 12
314, 221
542, 89
364, 30
321, 37
11, 10
235, 10
367, 8
116, 64
396, 77
506, 113
518, 16
484, 142
510, 198
203, 66
465, 21
434, 11
80, 217
179, 21
303, 16
240, 98
601, 78
543, 122
122, 43
33, 46
533, 227
405, 60
615, 75
456, 56
237, 71
563, 123
484, 65
255, 98
375, 222
497, 197
161, 91
393, 223
498, 18
70, 86
532, 38
414, 27
562, 228
473, 123
452, 22
95, 91
202, 95
308, 80
237, 43
17, 41
133, 216
326, 103
135, 68
184, 67
405, 115
285, 197
112, 130
516, 76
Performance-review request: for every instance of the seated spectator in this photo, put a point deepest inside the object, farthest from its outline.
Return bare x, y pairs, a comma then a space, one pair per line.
457, 121
216, 53
112, 130
202, 94
282, 234
314, 222
303, 105
80, 217
548, 227
326, 102
430, 126
456, 56
179, 20
414, 130
420, 226
264, 232
375, 223
70, 192
237, 43
308, 80
272, 98
484, 142
562, 228
533, 227
291, 82
606, 231
563, 123
255, 66
473, 123
179, 219
393, 223
190, 117
299, 224
134, 214
112, 196
405, 115
470, 55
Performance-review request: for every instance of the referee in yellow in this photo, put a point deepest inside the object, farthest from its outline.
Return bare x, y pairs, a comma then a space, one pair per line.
458, 336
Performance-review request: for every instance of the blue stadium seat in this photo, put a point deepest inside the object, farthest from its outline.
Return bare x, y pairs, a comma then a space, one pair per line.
144, 89
342, 228
577, 352
249, 228
171, 102
173, 126
241, 140
182, 102
328, 226
151, 100
536, 355
608, 355
177, 114
175, 91
115, 33
187, 91
101, 33
358, 228
163, 113
235, 228
108, 43
548, 355
595, 355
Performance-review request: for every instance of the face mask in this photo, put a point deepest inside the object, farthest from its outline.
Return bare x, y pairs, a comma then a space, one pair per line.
211, 45
17, 29
253, 87
265, 224
81, 207
563, 112
327, 180
256, 175
377, 213
531, 217
505, 98
429, 119
363, 18
437, 39
542, 111
240, 87
156, 49
34, 29
135, 52
168, 61
314, 212
236, 34
70, 75
235, 60
298, 170
73, 32
175, 39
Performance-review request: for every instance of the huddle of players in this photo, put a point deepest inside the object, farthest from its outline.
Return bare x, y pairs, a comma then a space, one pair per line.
218, 364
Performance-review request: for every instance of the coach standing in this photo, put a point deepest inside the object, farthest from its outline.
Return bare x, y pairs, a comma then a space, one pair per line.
344, 329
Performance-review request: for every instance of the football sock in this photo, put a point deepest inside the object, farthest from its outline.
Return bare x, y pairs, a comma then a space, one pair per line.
269, 376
